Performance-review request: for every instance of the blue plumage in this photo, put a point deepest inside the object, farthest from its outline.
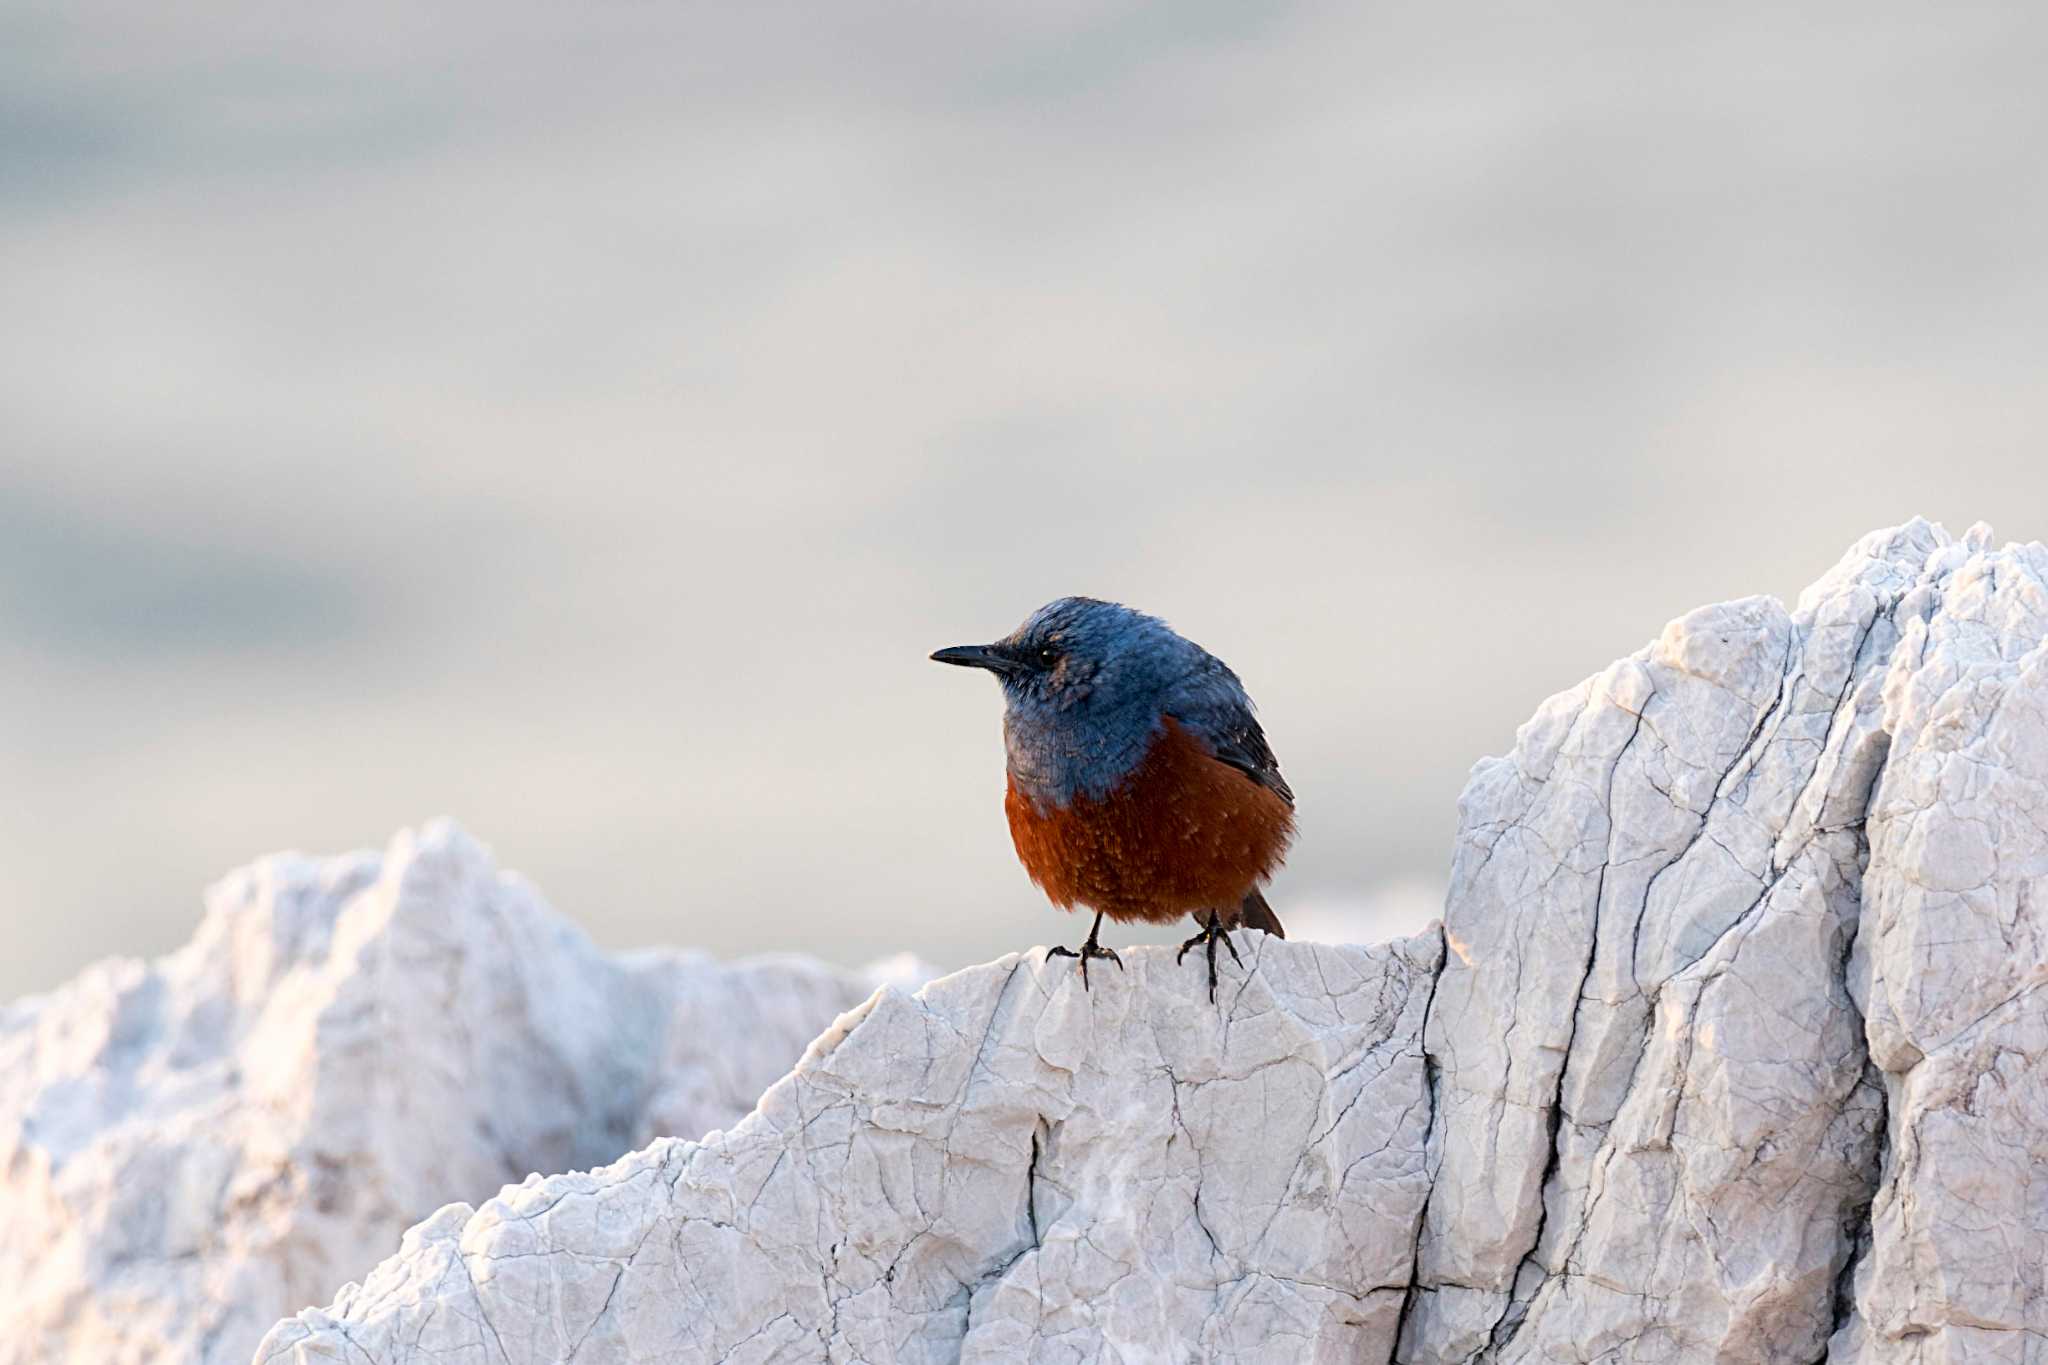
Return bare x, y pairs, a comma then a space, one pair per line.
1140, 783
1088, 687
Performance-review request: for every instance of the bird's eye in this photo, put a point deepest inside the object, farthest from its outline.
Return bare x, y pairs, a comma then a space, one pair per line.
1048, 656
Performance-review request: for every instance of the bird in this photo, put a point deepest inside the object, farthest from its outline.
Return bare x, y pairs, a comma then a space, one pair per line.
1139, 783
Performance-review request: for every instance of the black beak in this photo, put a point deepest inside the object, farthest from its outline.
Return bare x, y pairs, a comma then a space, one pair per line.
975, 656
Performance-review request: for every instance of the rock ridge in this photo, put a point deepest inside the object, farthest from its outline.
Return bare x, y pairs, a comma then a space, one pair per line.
192, 1146
1730, 1047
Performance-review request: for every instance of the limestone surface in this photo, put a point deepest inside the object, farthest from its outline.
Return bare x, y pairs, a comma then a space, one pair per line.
1732, 1048
1949, 968
1739, 1044
1737, 1053
1005, 1166
191, 1147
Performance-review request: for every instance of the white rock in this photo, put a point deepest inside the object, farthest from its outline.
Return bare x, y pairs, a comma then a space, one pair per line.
1002, 1167
1654, 1118
1734, 1048
1950, 966
1659, 1126
192, 1147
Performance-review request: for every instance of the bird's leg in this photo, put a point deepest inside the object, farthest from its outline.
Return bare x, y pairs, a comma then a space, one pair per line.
1092, 948
1212, 929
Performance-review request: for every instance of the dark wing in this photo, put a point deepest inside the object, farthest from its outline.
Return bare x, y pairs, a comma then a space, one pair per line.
1216, 710
1242, 744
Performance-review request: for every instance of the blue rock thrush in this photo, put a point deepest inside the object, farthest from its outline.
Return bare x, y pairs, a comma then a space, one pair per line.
1140, 783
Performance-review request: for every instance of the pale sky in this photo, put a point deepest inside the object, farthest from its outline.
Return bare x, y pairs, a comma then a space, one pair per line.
583, 420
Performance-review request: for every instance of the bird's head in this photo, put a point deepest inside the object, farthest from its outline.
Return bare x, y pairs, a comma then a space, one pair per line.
1081, 654
1085, 684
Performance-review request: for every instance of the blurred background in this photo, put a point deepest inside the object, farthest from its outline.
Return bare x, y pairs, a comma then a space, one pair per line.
583, 420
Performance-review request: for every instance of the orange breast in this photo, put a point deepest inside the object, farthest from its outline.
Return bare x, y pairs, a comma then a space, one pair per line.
1184, 832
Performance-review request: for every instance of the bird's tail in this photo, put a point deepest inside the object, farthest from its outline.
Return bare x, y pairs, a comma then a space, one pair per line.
1256, 914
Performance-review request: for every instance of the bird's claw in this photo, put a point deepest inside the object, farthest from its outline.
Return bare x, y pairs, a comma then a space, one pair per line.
1212, 930
1089, 949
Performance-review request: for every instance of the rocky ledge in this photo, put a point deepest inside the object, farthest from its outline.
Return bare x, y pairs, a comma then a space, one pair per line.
1732, 1048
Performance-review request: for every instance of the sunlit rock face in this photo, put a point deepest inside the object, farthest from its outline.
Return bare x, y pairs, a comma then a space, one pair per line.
1002, 1167
1732, 1048
1739, 1051
192, 1147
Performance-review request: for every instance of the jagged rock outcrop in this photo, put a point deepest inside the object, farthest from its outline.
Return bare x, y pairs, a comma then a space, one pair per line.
1732, 1048
1666, 1129
1657, 1124
192, 1147
1002, 1167
1949, 968
1737, 1053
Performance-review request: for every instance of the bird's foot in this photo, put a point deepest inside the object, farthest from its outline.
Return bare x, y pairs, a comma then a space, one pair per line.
1212, 930
1089, 949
